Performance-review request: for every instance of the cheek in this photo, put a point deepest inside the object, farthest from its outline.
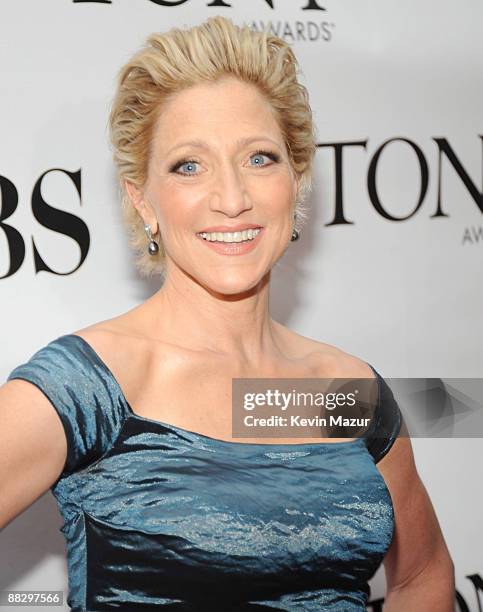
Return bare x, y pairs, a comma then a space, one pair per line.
279, 198
178, 208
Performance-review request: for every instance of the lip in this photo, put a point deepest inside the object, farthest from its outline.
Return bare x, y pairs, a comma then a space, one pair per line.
235, 248
230, 228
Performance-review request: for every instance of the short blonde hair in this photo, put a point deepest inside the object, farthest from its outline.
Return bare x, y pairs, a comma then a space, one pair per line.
173, 61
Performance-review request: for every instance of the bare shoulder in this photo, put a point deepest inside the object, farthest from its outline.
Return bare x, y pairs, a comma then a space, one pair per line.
324, 357
126, 330
117, 343
105, 334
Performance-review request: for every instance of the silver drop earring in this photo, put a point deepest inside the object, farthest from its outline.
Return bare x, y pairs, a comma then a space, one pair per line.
153, 247
295, 233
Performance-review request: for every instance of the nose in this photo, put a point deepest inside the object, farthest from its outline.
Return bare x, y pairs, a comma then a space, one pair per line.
230, 195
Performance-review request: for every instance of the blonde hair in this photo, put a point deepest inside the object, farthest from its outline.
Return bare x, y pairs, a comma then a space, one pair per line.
173, 61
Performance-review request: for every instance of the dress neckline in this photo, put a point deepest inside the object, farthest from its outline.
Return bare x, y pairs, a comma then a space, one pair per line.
181, 430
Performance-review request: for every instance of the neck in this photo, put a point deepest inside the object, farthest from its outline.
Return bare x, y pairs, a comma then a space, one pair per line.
238, 326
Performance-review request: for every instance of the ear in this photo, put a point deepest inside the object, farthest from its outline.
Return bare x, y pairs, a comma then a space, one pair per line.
143, 208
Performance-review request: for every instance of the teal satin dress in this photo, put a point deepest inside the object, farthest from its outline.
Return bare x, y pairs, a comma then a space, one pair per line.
156, 516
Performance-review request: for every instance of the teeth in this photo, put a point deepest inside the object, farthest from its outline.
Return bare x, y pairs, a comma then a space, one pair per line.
230, 236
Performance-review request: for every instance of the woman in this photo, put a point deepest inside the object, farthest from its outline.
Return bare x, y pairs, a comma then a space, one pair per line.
128, 421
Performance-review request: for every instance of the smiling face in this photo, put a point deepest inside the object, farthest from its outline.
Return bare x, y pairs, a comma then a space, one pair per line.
219, 163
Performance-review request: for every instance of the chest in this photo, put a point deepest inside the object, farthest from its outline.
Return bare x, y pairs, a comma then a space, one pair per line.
197, 394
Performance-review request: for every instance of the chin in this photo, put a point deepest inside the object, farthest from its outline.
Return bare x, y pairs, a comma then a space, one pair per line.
232, 285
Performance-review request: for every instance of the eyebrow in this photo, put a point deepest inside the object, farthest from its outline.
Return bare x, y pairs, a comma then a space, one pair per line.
241, 142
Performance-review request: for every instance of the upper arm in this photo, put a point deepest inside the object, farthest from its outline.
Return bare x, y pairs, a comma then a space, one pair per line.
59, 411
33, 447
418, 542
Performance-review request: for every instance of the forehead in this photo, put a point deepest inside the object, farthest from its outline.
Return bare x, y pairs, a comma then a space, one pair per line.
223, 110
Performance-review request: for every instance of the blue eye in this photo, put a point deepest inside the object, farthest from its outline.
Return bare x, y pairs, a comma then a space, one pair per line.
257, 157
261, 154
188, 165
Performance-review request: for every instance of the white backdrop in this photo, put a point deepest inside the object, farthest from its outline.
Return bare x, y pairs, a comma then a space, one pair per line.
405, 295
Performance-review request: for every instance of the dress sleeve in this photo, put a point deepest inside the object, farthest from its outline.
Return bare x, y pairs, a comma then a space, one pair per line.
80, 393
387, 422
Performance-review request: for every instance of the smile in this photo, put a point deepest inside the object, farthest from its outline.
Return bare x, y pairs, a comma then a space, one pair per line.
230, 237
232, 243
